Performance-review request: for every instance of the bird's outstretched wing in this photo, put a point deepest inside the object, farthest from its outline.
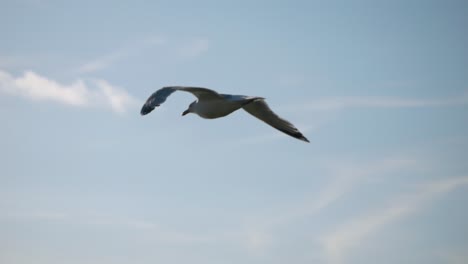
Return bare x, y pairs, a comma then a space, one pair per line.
160, 96
262, 111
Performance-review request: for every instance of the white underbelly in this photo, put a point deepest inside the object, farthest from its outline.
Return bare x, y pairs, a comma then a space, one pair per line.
216, 109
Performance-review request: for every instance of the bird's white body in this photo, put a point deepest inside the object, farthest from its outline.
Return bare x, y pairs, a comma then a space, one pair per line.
205, 108
219, 107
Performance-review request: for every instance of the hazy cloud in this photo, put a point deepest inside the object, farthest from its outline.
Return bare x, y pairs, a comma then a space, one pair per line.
258, 241
188, 49
100, 63
134, 48
194, 48
34, 215
261, 231
457, 255
80, 93
117, 99
345, 176
9, 61
341, 103
338, 243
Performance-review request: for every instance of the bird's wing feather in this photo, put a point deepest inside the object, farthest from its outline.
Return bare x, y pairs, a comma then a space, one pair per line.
200, 92
261, 110
160, 96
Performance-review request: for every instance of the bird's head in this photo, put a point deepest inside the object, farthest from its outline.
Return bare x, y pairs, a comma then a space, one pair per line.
190, 108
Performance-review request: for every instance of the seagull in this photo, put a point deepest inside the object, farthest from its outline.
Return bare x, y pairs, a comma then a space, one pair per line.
211, 104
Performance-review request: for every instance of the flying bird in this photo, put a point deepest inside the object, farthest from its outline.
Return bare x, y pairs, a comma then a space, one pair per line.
211, 104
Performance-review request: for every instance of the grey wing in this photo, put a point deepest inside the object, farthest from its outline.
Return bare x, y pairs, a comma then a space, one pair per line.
262, 111
156, 99
160, 96
200, 92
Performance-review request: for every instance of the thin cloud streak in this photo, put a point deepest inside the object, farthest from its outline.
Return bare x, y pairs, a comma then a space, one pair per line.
190, 49
100, 63
257, 241
338, 243
260, 231
194, 48
345, 177
351, 102
107, 60
80, 93
348, 175
146, 228
457, 255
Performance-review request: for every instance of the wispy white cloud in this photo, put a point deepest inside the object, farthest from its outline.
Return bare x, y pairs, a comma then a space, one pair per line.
148, 229
100, 63
188, 49
9, 61
155, 40
115, 98
35, 215
80, 93
291, 79
113, 57
345, 176
194, 48
458, 255
260, 234
338, 243
350, 102
257, 241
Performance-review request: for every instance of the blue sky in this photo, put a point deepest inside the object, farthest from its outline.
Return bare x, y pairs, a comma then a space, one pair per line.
380, 88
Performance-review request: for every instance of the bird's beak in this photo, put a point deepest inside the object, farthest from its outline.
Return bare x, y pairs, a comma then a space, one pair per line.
185, 112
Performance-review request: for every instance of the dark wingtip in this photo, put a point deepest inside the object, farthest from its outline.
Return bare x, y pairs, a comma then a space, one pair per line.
146, 109
300, 137
296, 134
304, 139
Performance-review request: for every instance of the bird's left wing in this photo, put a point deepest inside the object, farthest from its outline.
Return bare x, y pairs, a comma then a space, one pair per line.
200, 92
160, 96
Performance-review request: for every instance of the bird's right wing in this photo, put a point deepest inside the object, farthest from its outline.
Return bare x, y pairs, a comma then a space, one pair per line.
160, 96
262, 111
